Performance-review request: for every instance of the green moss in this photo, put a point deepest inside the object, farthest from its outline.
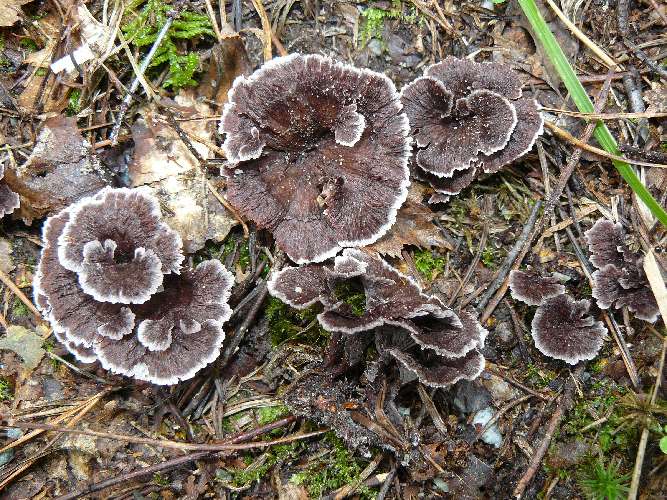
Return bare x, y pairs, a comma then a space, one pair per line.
352, 293
142, 30
29, 44
19, 309
428, 264
269, 414
374, 18
74, 102
539, 377
287, 324
333, 472
160, 480
258, 469
6, 393
603, 482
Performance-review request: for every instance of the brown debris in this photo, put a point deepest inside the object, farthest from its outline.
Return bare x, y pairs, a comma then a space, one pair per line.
61, 169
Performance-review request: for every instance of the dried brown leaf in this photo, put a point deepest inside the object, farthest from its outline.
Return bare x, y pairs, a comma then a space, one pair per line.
163, 162
61, 169
414, 226
10, 11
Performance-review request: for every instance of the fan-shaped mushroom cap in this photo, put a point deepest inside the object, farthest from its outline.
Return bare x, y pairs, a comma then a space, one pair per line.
319, 152
387, 293
467, 115
438, 371
118, 246
619, 279
445, 186
9, 200
532, 288
562, 329
393, 304
167, 338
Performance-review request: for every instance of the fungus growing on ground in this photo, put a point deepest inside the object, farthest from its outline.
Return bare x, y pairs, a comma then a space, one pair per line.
532, 288
360, 292
562, 329
116, 239
9, 200
468, 118
318, 153
620, 279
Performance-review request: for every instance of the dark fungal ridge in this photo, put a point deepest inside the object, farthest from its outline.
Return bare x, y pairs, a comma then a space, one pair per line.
426, 337
166, 338
532, 288
318, 153
467, 118
620, 279
9, 200
563, 329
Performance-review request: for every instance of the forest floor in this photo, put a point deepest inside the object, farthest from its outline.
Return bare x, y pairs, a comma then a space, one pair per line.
528, 425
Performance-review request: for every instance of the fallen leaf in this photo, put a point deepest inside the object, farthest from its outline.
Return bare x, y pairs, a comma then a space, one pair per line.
10, 11
229, 59
163, 162
26, 343
414, 226
61, 169
657, 283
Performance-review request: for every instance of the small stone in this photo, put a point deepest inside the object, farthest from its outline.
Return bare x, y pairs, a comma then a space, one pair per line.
492, 435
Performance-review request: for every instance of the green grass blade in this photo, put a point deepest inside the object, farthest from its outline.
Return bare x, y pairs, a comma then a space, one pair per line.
584, 104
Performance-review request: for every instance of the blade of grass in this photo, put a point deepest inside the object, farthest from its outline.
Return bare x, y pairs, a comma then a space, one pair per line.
585, 105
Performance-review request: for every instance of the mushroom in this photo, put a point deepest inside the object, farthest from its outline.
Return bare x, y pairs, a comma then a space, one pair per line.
532, 288
169, 336
318, 153
620, 279
468, 118
562, 329
118, 246
9, 200
360, 292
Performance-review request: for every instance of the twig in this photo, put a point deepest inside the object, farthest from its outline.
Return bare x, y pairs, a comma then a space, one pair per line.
165, 443
77, 369
171, 15
554, 421
563, 134
500, 413
506, 266
478, 253
17, 291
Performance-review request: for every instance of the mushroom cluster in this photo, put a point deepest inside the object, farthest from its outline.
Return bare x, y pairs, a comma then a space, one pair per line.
360, 292
561, 328
318, 154
619, 279
110, 281
9, 200
467, 118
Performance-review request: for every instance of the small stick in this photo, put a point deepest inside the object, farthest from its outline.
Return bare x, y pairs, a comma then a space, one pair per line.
171, 15
500, 413
17, 291
538, 455
165, 443
563, 134
506, 266
478, 253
